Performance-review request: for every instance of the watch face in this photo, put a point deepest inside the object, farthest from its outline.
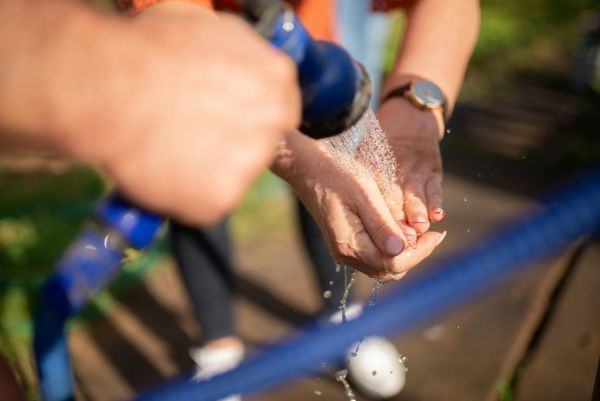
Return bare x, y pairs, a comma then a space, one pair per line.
428, 94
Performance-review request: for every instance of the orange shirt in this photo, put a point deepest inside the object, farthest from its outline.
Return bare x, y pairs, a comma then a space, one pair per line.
317, 15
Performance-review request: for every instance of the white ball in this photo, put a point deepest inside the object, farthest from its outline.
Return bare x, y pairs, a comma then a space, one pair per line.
376, 369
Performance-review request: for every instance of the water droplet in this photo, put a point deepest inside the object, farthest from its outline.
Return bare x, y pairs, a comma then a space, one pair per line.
402, 361
327, 294
318, 393
466, 199
448, 131
340, 376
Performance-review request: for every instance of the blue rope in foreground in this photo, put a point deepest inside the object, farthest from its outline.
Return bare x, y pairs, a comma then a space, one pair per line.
571, 214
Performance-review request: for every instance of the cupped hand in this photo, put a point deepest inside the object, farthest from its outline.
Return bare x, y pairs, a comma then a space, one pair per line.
347, 203
414, 136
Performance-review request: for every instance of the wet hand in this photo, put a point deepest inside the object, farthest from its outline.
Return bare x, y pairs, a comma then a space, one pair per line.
414, 136
349, 207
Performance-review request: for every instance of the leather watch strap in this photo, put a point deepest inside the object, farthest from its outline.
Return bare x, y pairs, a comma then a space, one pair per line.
401, 92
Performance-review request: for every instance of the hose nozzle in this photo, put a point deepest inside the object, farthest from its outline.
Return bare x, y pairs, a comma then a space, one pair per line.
335, 88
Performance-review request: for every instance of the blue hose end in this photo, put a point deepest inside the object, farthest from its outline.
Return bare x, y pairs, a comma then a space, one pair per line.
137, 227
336, 90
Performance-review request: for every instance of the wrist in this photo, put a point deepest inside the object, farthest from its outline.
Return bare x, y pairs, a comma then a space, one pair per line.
294, 160
399, 116
407, 81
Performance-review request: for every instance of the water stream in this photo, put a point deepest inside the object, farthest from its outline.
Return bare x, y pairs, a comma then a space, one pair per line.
363, 150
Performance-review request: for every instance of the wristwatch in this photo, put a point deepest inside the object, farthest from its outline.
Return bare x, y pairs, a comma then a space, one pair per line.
422, 93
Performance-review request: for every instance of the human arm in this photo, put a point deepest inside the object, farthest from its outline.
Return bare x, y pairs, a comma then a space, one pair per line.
147, 100
438, 41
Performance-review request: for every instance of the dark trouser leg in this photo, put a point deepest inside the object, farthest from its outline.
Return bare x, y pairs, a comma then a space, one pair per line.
321, 259
204, 259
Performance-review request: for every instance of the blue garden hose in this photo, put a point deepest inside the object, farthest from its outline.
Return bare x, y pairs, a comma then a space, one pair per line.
567, 216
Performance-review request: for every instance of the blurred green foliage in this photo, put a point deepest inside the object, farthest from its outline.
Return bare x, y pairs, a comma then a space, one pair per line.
532, 37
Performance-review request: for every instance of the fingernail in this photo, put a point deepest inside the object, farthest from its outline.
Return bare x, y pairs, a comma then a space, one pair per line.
393, 245
419, 219
441, 238
438, 210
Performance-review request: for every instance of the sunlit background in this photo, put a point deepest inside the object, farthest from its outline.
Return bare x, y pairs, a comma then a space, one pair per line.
528, 118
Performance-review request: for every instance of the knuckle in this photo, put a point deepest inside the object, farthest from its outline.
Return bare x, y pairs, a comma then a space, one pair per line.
378, 229
346, 251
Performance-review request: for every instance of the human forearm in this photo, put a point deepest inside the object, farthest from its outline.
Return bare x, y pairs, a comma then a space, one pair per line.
50, 48
438, 41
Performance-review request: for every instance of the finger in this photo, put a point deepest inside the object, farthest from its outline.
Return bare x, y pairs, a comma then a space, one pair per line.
392, 277
377, 219
414, 206
412, 257
352, 245
395, 201
433, 191
365, 255
409, 233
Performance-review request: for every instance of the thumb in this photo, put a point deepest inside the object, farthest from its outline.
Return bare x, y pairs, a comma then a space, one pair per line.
379, 222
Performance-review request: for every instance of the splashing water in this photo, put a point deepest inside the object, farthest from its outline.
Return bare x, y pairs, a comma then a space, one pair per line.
340, 376
374, 292
348, 283
402, 361
363, 150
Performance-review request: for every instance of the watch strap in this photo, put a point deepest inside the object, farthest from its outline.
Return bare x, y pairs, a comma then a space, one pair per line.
398, 92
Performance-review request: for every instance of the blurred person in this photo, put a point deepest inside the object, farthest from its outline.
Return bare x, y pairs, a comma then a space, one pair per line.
101, 89
360, 228
150, 110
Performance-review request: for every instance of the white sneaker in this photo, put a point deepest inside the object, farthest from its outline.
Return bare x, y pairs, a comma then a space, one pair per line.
374, 364
211, 361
